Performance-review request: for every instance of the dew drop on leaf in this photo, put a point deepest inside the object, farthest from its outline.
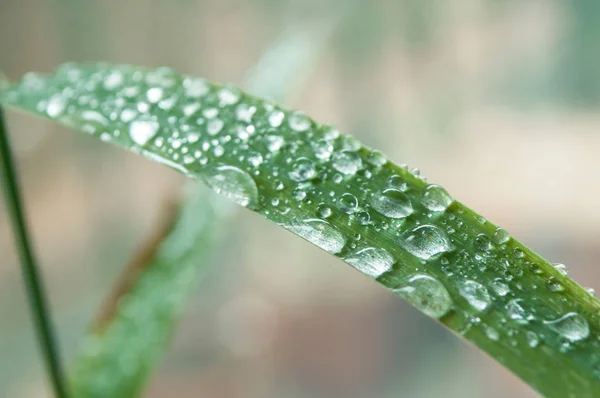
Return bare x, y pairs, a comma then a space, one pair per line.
572, 326
319, 233
234, 184
371, 261
476, 294
347, 162
425, 241
501, 236
347, 203
427, 294
392, 203
435, 198
143, 129
302, 170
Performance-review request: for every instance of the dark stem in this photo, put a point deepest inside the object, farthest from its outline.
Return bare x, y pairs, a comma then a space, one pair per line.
33, 283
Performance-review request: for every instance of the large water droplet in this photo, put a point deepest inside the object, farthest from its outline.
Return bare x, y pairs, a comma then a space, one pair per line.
143, 129
234, 184
347, 162
501, 236
347, 203
427, 294
476, 295
435, 198
302, 170
572, 326
371, 261
392, 203
425, 241
319, 233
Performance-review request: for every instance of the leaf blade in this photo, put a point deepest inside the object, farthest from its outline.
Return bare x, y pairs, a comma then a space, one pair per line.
350, 201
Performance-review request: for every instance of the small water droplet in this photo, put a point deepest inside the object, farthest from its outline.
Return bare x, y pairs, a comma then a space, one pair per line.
397, 182
229, 95
195, 87
427, 294
347, 162
561, 268
476, 295
532, 339
154, 94
392, 203
322, 149
425, 241
516, 312
435, 198
56, 106
214, 126
303, 170
276, 118
371, 261
324, 211
233, 183
347, 203
554, 285
143, 129
319, 233
491, 333
572, 326
363, 217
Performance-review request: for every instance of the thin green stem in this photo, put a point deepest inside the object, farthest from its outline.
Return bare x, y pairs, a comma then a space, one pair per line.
33, 282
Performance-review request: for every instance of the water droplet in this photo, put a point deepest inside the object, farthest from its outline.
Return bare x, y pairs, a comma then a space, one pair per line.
572, 326
491, 333
392, 203
299, 194
56, 106
499, 287
234, 184
322, 149
299, 122
376, 158
476, 295
319, 233
324, 211
229, 95
195, 87
561, 268
274, 142
214, 126
154, 94
371, 261
482, 242
501, 236
347, 203
516, 312
554, 285
397, 182
303, 170
244, 112
113, 80
143, 129
276, 118
363, 217
347, 162
532, 339
425, 241
427, 294
435, 198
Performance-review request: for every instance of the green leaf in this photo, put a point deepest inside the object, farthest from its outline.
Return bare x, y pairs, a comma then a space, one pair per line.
382, 219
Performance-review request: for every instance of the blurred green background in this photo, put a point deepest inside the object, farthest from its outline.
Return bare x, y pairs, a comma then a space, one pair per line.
497, 101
